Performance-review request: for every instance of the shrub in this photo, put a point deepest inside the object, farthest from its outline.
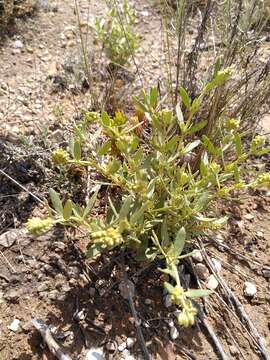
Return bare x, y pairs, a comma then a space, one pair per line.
116, 33
164, 199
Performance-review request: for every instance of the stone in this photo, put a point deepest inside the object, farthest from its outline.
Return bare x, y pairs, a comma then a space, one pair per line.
43, 287
201, 271
217, 265
249, 289
110, 346
130, 342
18, 44
233, 350
167, 301
15, 325
249, 216
95, 354
12, 295
197, 256
212, 282
174, 333
148, 301
122, 347
8, 238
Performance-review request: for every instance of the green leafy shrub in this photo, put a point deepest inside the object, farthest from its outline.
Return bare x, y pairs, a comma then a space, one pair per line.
164, 199
116, 33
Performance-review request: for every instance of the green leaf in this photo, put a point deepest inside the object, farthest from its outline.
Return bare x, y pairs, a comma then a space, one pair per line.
164, 235
77, 150
113, 166
191, 146
94, 251
197, 293
238, 144
197, 127
77, 211
104, 148
125, 209
105, 119
210, 146
67, 211
138, 214
139, 105
151, 188
90, 204
168, 286
204, 164
179, 115
71, 146
178, 244
153, 97
56, 201
196, 104
185, 98
263, 151
171, 143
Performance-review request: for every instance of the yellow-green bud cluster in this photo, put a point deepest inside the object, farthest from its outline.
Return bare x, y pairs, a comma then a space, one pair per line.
38, 226
214, 167
232, 124
263, 180
108, 238
60, 157
187, 316
257, 142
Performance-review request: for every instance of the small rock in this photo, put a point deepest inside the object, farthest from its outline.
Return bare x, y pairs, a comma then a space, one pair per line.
167, 301
202, 271
233, 350
122, 347
217, 265
18, 44
260, 234
266, 273
126, 289
197, 256
212, 282
53, 295
8, 238
43, 287
12, 295
148, 301
170, 323
110, 346
249, 289
249, 216
174, 333
95, 354
130, 342
15, 325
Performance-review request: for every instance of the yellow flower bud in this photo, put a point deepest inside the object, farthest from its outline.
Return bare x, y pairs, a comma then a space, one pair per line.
38, 226
60, 157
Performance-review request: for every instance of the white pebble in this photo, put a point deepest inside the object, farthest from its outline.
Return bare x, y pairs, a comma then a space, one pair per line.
212, 282
174, 333
197, 256
167, 301
148, 301
15, 325
217, 265
249, 289
18, 44
202, 271
110, 346
122, 347
170, 323
130, 342
95, 354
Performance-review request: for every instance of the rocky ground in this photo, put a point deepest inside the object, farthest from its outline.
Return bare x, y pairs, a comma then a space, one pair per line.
42, 89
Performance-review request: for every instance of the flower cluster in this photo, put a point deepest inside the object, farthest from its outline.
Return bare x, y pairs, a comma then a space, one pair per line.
187, 316
108, 238
38, 226
60, 157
